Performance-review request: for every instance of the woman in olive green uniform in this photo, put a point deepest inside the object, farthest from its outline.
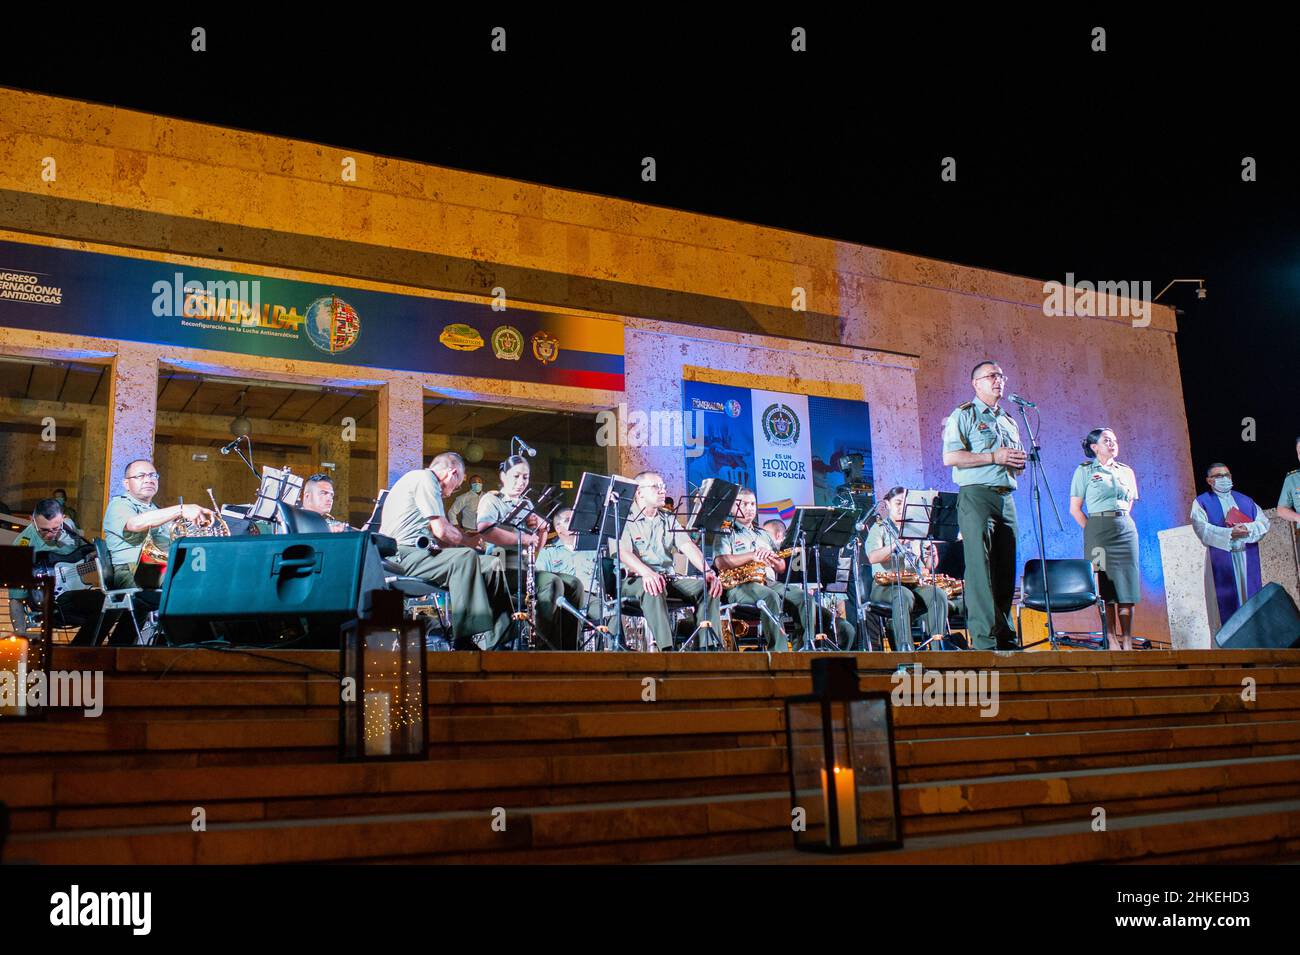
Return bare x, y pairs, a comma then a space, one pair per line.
1110, 540
879, 550
558, 630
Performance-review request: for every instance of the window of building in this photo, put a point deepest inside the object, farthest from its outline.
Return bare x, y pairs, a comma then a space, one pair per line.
54, 436
307, 428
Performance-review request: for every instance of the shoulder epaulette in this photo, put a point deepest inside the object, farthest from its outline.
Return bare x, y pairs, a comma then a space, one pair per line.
1296, 471
966, 407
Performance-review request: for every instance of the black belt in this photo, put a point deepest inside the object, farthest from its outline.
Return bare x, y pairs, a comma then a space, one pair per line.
1108, 514
989, 487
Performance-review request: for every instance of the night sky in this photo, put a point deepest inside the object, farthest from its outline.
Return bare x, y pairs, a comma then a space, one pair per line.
1117, 165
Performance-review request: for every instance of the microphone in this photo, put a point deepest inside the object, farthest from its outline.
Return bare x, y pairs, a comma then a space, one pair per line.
232, 445
1023, 402
586, 621
523, 446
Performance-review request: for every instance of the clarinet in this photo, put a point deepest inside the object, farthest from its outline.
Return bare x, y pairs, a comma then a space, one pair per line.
528, 616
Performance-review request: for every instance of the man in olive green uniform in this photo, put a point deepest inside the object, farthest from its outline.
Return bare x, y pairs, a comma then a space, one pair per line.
981, 444
561, 556
53, 532
133, 516
747, 543
647, 549
480, 609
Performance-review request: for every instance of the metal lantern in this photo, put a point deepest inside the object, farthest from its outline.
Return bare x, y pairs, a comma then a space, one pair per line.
25, 657
382, 714
840, 749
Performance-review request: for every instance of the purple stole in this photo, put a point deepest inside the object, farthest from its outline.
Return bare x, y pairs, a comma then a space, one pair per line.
1225, 581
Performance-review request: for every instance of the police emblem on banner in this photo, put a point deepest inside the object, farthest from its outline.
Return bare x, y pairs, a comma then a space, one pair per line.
780, 425
461, 337
733, 408
546, 348
507, 343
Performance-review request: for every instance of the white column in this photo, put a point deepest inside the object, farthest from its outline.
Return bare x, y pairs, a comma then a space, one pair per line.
132, 412
401, 428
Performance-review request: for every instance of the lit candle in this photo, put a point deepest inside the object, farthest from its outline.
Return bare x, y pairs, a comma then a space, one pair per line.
13, 662
846, 801
378, 723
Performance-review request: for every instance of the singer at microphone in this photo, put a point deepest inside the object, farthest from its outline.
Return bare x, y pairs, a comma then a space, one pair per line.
981, 443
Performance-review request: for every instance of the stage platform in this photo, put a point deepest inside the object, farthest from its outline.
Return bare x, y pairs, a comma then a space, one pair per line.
588, 771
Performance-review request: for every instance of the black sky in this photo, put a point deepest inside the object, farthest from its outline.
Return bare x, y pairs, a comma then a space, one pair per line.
1117, 165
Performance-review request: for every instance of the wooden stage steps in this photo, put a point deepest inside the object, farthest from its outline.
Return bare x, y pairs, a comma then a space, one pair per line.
586, 771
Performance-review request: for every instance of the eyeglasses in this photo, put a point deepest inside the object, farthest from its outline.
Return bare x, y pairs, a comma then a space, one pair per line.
996, 374
141, 477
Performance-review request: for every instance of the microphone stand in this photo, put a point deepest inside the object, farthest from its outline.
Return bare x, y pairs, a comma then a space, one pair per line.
1037, 475
247, 460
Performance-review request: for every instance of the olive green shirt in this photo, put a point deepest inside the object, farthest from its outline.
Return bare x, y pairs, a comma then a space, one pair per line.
556, 558
651, 539
493, 506
464, 511
976, 427
1104, 487
746, 540
877, 538
412, 502
124, 545
1290, 496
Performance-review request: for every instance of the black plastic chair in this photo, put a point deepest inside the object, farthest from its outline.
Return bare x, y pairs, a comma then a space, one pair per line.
632, 607
299, 521
884, 614
377, 515
1072, 585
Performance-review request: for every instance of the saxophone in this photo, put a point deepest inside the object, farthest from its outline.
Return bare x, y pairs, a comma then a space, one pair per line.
754, 572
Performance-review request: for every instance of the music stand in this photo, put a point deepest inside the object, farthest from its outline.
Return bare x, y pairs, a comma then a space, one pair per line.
599, 513
710, 509
816, 527
537, 503
282, 486
928, 516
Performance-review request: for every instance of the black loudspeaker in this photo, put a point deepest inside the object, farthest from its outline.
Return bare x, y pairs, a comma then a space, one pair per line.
286, 590
1267, 621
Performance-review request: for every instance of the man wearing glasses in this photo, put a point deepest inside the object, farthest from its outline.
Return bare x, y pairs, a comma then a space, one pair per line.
646, 550
981, 444
1230, 524
53, 532
131, 517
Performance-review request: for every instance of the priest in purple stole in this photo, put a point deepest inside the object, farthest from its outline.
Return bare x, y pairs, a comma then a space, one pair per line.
1230, 524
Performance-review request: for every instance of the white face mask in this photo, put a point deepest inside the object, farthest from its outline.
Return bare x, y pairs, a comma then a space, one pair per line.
1223, 484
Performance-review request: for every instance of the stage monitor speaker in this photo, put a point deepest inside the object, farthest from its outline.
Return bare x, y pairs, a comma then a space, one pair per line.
286, 590
1267, 621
